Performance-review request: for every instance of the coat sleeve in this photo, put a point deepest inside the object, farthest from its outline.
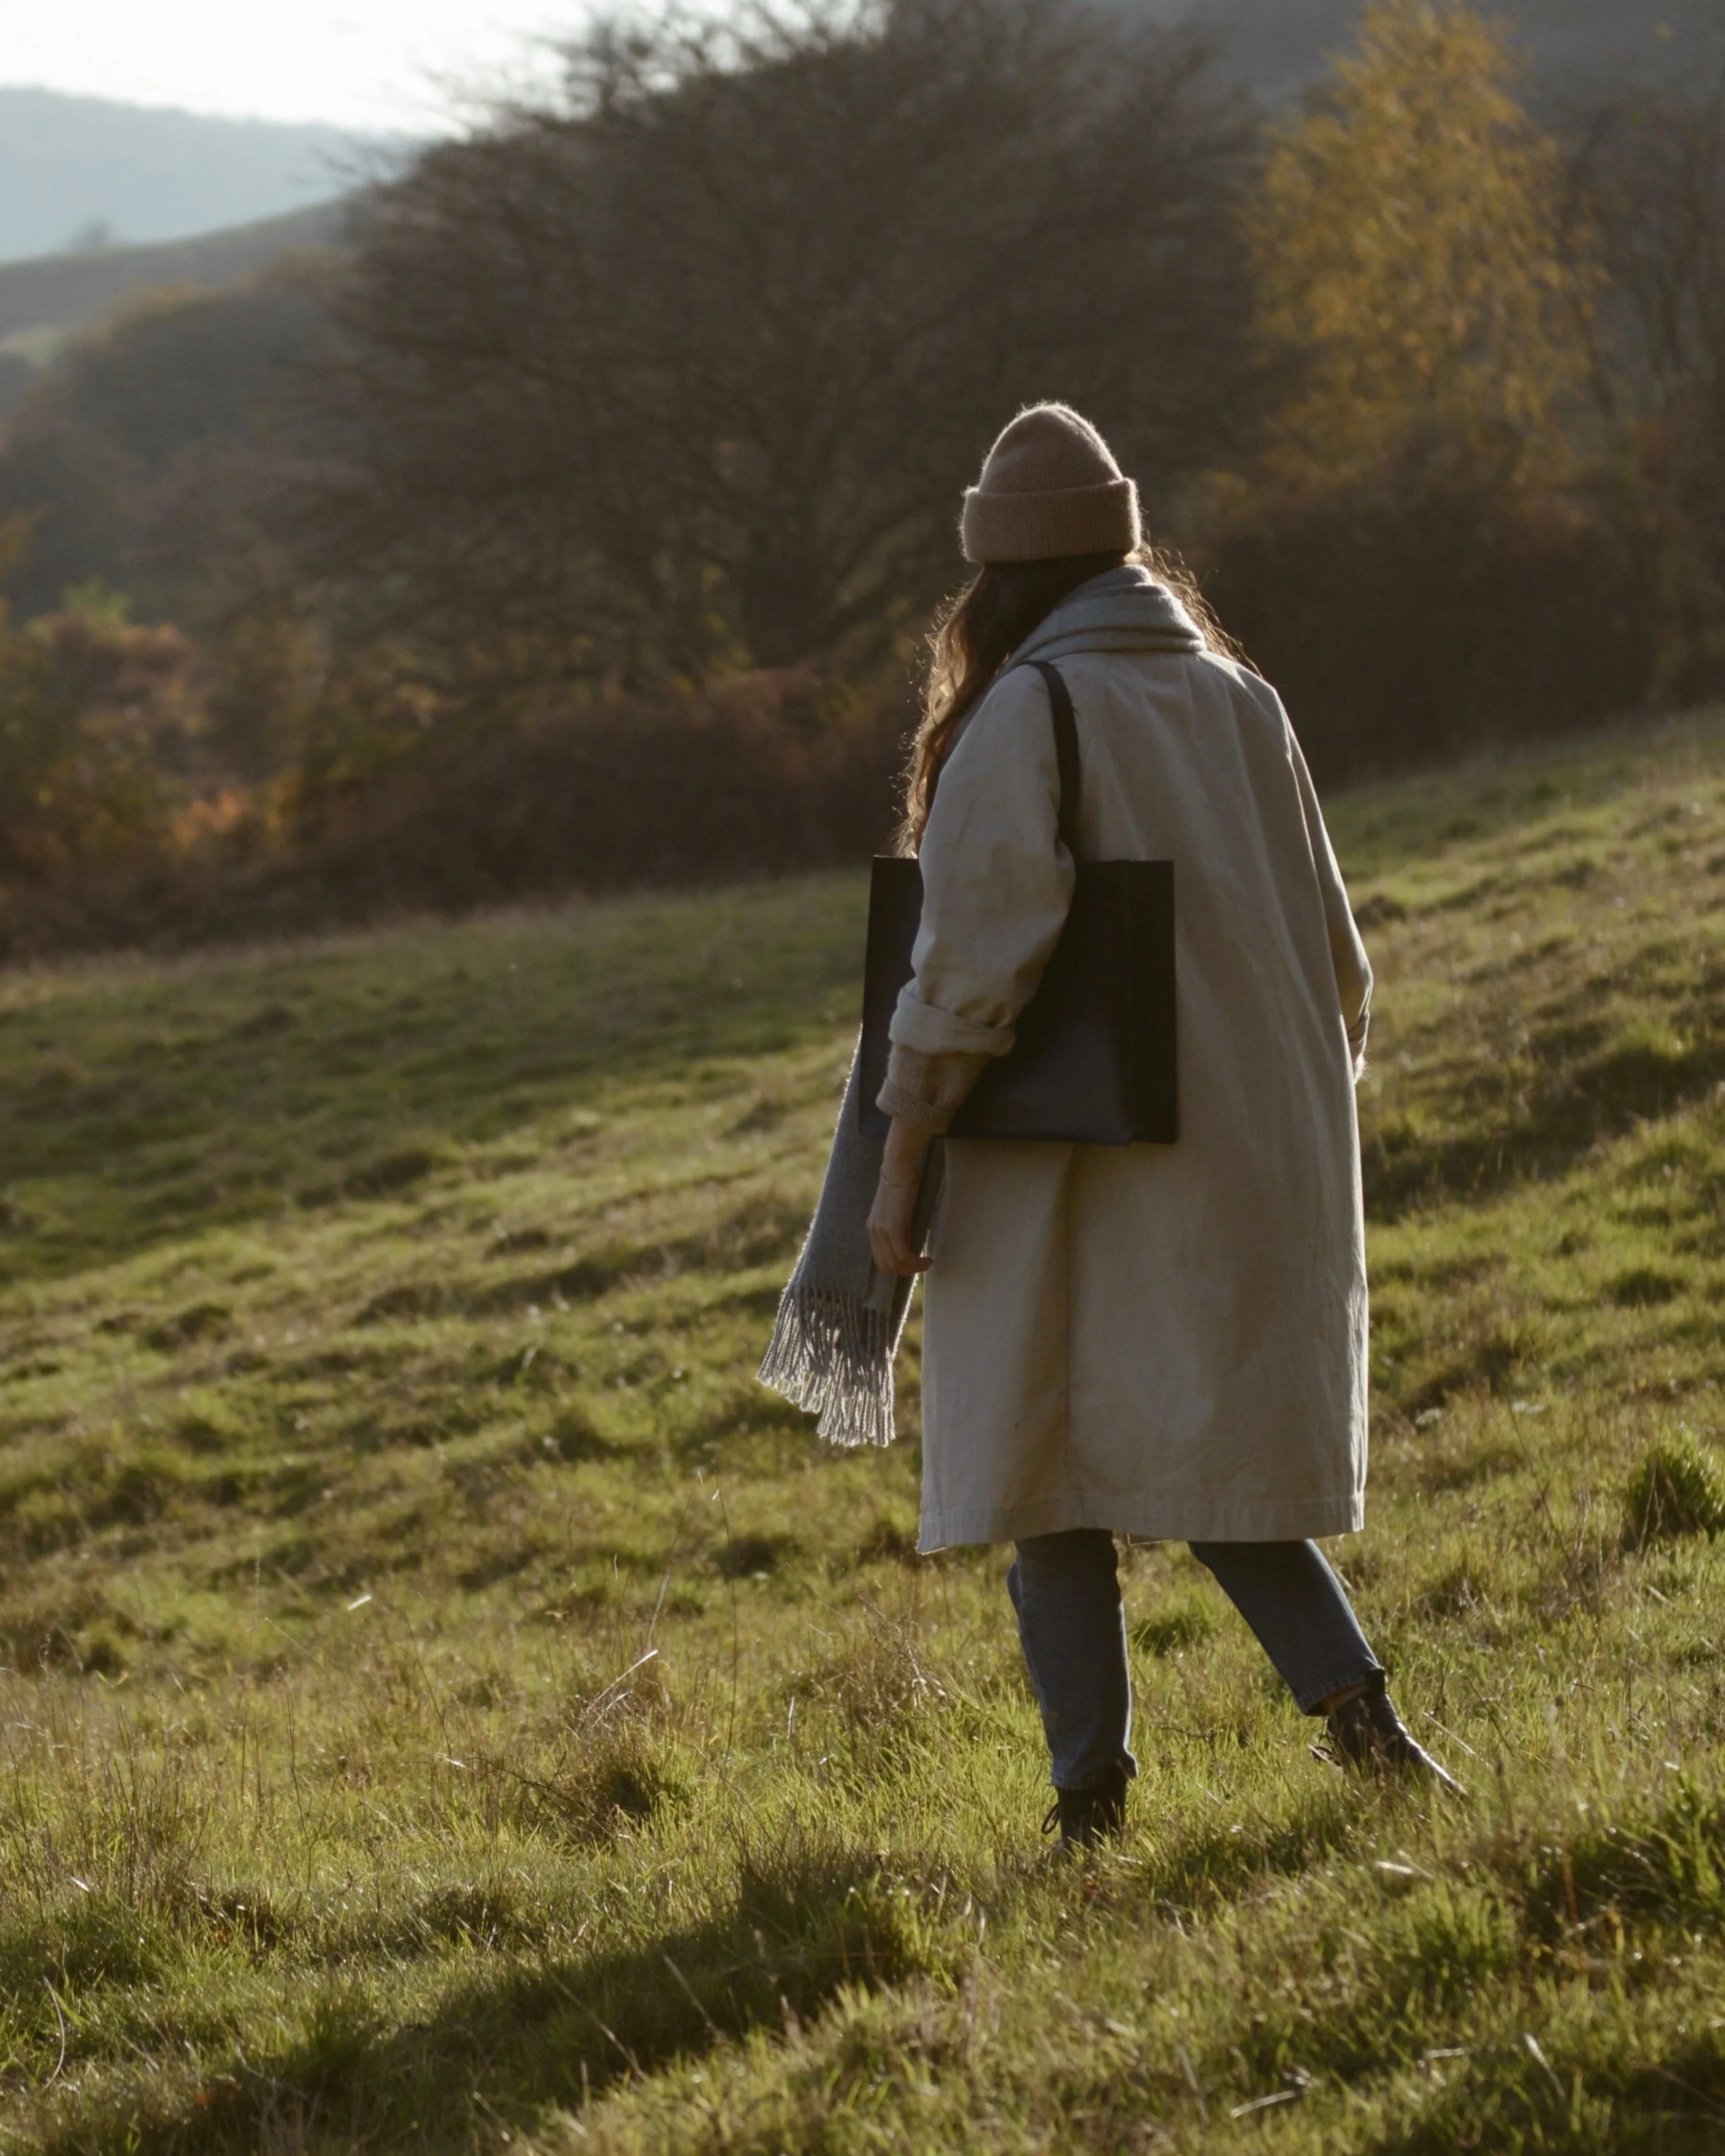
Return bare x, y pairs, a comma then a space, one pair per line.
996, 881
927, 1091
1348, 953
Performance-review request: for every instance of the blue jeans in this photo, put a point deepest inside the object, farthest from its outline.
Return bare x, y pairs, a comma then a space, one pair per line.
1066, 1592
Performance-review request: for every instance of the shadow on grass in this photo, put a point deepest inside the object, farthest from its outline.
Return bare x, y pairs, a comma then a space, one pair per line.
500, 2051
1213, 1866
1673, 2105
1575, 1103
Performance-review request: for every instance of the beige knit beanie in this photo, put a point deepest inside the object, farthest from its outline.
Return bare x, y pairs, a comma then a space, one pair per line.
1050, 485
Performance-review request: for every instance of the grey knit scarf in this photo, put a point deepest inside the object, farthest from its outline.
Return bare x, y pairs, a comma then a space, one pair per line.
839, 1318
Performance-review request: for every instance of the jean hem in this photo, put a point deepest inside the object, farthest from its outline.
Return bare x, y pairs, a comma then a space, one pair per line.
1095, 1780
1310, 1701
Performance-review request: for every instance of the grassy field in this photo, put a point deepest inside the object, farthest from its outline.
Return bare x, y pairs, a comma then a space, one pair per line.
450, 1706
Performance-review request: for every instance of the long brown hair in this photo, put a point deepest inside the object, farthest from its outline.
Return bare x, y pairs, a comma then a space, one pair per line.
977, 631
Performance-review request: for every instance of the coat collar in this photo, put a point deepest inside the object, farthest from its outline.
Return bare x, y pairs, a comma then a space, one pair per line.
1124, 610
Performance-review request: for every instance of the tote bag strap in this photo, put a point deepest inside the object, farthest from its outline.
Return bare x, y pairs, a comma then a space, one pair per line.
1066, 733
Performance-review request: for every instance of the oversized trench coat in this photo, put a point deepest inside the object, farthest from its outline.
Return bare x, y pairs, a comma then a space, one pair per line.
1166, 1340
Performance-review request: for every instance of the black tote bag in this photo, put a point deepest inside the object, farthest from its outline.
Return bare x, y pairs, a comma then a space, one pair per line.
1094, 1060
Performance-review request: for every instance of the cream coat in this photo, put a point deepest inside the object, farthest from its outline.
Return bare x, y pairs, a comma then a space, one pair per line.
1164, 1340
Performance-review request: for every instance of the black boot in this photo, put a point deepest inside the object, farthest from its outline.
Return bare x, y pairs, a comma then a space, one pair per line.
1085, 1817
1367, 1734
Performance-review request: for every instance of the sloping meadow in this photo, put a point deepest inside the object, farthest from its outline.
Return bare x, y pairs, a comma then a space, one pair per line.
449, 1705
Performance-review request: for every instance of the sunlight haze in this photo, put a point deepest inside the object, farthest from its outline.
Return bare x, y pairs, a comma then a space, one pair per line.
371, 64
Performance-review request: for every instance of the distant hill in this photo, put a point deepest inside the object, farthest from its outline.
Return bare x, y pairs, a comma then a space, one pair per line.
42, 302
75, 170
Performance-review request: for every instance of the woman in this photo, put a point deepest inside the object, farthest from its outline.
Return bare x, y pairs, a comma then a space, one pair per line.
1166, 1342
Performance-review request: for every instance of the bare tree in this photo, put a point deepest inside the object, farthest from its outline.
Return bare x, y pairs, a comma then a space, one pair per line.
1650, 170
1650, 189
688, 366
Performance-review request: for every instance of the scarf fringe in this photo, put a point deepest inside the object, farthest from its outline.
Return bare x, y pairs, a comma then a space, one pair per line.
831, 1355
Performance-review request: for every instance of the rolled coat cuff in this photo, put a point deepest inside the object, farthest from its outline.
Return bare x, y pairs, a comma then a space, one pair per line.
934, 1032
927, 1091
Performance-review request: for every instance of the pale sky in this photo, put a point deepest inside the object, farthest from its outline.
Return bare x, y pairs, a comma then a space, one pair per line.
360, 64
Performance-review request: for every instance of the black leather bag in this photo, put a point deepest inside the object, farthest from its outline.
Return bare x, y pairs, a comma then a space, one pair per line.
1094, 1060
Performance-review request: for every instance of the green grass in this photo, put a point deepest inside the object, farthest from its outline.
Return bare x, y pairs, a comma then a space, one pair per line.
451, 1706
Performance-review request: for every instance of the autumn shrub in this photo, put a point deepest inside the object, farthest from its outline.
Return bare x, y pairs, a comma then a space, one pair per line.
97, 716
1404, 625
764, 774
401, 803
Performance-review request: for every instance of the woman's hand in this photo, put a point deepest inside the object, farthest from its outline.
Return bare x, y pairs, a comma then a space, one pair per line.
896, 1200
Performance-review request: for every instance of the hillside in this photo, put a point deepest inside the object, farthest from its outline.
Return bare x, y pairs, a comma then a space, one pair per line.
144, 174
42, 302
451, 1705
